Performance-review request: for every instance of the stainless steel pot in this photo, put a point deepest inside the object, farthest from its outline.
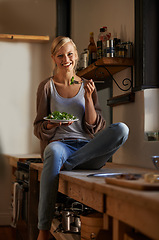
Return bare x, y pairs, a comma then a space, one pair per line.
74, 229
77, 222
67, 219
58, 208
77, 207
71, 217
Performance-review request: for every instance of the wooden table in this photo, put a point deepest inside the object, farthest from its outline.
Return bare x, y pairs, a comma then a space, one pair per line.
126, 208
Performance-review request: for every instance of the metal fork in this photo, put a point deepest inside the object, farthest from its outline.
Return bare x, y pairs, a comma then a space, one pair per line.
78, 82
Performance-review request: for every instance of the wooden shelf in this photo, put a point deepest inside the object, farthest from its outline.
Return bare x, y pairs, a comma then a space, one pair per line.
24, 38
97, 73
121, 99
102, 72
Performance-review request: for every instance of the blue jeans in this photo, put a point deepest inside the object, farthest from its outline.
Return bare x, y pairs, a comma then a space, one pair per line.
75, 154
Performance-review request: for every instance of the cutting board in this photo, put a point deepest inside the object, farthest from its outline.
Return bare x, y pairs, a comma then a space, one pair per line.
138, 184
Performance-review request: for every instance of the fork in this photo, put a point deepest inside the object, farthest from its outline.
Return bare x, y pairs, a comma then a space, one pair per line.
79, 82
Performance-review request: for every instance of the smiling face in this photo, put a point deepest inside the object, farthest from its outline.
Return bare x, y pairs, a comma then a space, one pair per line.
66, 57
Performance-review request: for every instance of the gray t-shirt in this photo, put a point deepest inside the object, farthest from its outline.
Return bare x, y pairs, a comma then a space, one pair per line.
75, 106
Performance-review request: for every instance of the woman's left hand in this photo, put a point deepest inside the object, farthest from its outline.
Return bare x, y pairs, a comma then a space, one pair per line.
90, 112
89, 88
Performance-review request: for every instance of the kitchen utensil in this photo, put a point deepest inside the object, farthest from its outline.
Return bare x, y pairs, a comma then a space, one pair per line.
67, 219
79, 82
58, 209
77, 207
104, 174
155, 160
77, 221
74, 228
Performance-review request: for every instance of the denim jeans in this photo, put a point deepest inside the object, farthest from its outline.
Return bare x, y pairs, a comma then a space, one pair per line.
75, 154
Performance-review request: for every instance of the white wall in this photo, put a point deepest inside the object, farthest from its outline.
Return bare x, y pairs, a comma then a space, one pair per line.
88, 16
33, 17
136, 151
23, 66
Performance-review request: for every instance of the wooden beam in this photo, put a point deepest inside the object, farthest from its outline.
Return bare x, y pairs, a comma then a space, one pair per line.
24, 38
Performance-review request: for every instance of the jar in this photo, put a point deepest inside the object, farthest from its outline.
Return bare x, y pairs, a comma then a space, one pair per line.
84, 59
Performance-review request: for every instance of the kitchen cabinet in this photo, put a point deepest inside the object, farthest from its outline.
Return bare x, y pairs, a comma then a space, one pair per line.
146, 44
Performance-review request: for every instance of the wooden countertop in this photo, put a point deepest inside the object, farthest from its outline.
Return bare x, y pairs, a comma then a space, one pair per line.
14, 158
148, 198
137, 208
98, 184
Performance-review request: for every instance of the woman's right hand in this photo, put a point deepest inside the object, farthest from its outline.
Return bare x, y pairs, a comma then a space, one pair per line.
51, 125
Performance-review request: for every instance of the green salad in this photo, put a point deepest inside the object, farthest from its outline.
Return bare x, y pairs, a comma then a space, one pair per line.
56, 115
72, 81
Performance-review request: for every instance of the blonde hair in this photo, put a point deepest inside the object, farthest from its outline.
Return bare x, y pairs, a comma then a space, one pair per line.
57, 44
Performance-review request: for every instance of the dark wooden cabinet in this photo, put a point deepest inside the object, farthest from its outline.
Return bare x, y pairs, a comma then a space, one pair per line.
146, 44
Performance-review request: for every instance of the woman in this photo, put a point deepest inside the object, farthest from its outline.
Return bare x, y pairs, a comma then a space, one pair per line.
69, 145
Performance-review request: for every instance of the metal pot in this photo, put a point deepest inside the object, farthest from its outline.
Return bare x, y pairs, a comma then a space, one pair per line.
77, 207
71, 217
74, 229
77, 221
67, 219
58, 209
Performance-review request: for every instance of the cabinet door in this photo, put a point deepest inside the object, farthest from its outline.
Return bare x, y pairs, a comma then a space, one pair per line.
146, 44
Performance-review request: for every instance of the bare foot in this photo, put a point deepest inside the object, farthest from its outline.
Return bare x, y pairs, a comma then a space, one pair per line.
43, 235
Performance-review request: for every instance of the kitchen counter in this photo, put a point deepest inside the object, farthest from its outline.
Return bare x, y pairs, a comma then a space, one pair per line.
125, 207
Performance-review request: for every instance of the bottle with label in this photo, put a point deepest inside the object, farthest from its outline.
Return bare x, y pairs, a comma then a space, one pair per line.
110, 48
92, 50
102, 44
99, 49
117, 44
108, 34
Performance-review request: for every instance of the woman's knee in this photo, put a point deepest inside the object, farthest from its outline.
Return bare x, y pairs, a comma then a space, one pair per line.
123, 130
120, 130
51, 151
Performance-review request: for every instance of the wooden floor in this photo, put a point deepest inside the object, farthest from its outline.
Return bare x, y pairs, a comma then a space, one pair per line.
7, 233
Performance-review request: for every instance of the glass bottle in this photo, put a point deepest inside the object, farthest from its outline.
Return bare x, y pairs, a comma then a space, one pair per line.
92, 50
102, 43
108, 34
